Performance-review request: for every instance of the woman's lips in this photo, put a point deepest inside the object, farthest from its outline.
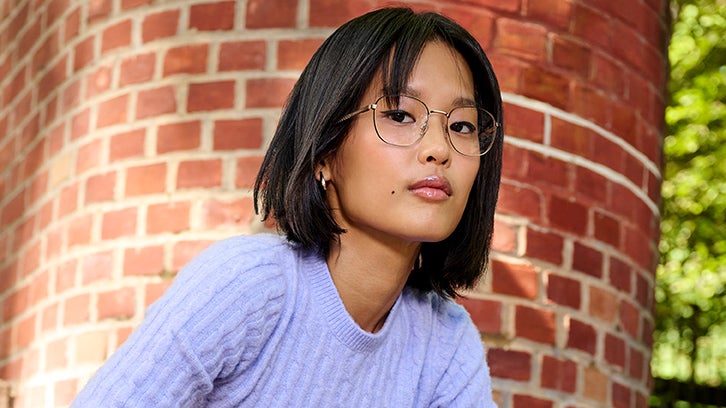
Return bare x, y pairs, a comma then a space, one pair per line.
431, 188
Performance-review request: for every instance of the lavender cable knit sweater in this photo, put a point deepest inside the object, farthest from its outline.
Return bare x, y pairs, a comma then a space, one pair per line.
254, 322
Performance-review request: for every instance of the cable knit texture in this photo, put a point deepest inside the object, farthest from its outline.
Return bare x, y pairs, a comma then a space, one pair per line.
255, 322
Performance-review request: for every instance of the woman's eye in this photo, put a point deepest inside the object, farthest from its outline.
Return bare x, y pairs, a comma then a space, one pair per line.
463, 128
399, 116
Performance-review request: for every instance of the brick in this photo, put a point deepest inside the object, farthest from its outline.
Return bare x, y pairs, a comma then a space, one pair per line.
590, 104
65, 276
98, 10
184, 251
212, 16
559, 374
72, 25
242, 56
527, 124
119, 223
199, 173
567, 215
513, 279
89, 156
572, 138
171, 217
68, 200
510, 364
548, 171
606, 229
273, 14
127, 145
643, 292
13, 209
646, 335
479, 22
49, 319
116, 36
25, 331
571, 55
591, 185
630, 318
91, 347
77, 310
268, 92
535, 324
615, 350
603, 304
504, 238
178, 136
527, 401
608, 154
552, 12
595, 385
246, 171
545, 86
56, 357
160, 25
100, 187
188, 59
513, 6
296, 53
640, 247
521, 39
98, 82
112, 111
563, 291
486, 314
520, 200
80, 124
149, 179
80, 231
591, 25
137, 69
608, 74
83, 53
636, 364
64, 391
210, 96
130, 4
331, 13
509, 72
116, 304
216, 213
634, 170
237, 134
156, 102
144, 261
588, 260
582, 336
154, 291
621, 396
620, 274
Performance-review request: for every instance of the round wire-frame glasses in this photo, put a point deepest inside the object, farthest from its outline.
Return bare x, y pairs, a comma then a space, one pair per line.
402, 120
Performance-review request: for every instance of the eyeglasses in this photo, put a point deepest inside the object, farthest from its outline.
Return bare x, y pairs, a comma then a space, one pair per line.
402, 120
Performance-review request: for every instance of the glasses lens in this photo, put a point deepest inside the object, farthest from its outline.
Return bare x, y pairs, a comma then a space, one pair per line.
400, 120
471, 130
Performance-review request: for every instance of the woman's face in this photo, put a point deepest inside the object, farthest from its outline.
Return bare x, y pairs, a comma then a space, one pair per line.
414, 193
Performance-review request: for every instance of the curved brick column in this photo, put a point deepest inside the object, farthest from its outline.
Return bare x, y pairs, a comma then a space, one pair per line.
131, 132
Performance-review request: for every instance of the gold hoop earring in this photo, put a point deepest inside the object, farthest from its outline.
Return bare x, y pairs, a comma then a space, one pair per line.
322, 181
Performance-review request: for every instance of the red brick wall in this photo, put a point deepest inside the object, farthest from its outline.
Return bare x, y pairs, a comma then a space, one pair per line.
131, 132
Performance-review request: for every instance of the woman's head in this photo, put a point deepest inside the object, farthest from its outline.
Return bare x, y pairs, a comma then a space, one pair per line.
381, 48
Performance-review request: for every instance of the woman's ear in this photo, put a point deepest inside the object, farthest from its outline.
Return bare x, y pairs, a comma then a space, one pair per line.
323, 173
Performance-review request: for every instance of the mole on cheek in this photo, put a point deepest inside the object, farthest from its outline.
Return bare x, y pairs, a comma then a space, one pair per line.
393, 192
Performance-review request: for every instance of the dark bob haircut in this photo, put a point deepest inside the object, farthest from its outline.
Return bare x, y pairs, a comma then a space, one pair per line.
390, 41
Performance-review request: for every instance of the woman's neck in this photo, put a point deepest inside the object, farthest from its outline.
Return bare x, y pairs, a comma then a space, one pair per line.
370, 275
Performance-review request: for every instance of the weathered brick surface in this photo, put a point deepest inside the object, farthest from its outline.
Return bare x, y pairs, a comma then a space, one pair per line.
131, 132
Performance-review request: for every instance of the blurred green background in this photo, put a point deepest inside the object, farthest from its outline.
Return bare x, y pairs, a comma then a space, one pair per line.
689, 352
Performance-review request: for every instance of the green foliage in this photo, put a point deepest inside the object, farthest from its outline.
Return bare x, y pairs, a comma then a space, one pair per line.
690, 338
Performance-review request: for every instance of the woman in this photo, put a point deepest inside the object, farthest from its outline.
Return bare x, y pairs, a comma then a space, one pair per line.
383, 176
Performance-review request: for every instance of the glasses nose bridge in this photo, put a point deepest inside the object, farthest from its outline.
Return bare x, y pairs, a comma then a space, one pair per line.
445, 119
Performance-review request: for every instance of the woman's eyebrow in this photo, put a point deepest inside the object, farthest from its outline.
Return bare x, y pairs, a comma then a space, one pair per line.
460, 101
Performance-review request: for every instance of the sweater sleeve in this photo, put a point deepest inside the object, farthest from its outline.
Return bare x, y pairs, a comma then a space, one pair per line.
466, 381
213, 319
